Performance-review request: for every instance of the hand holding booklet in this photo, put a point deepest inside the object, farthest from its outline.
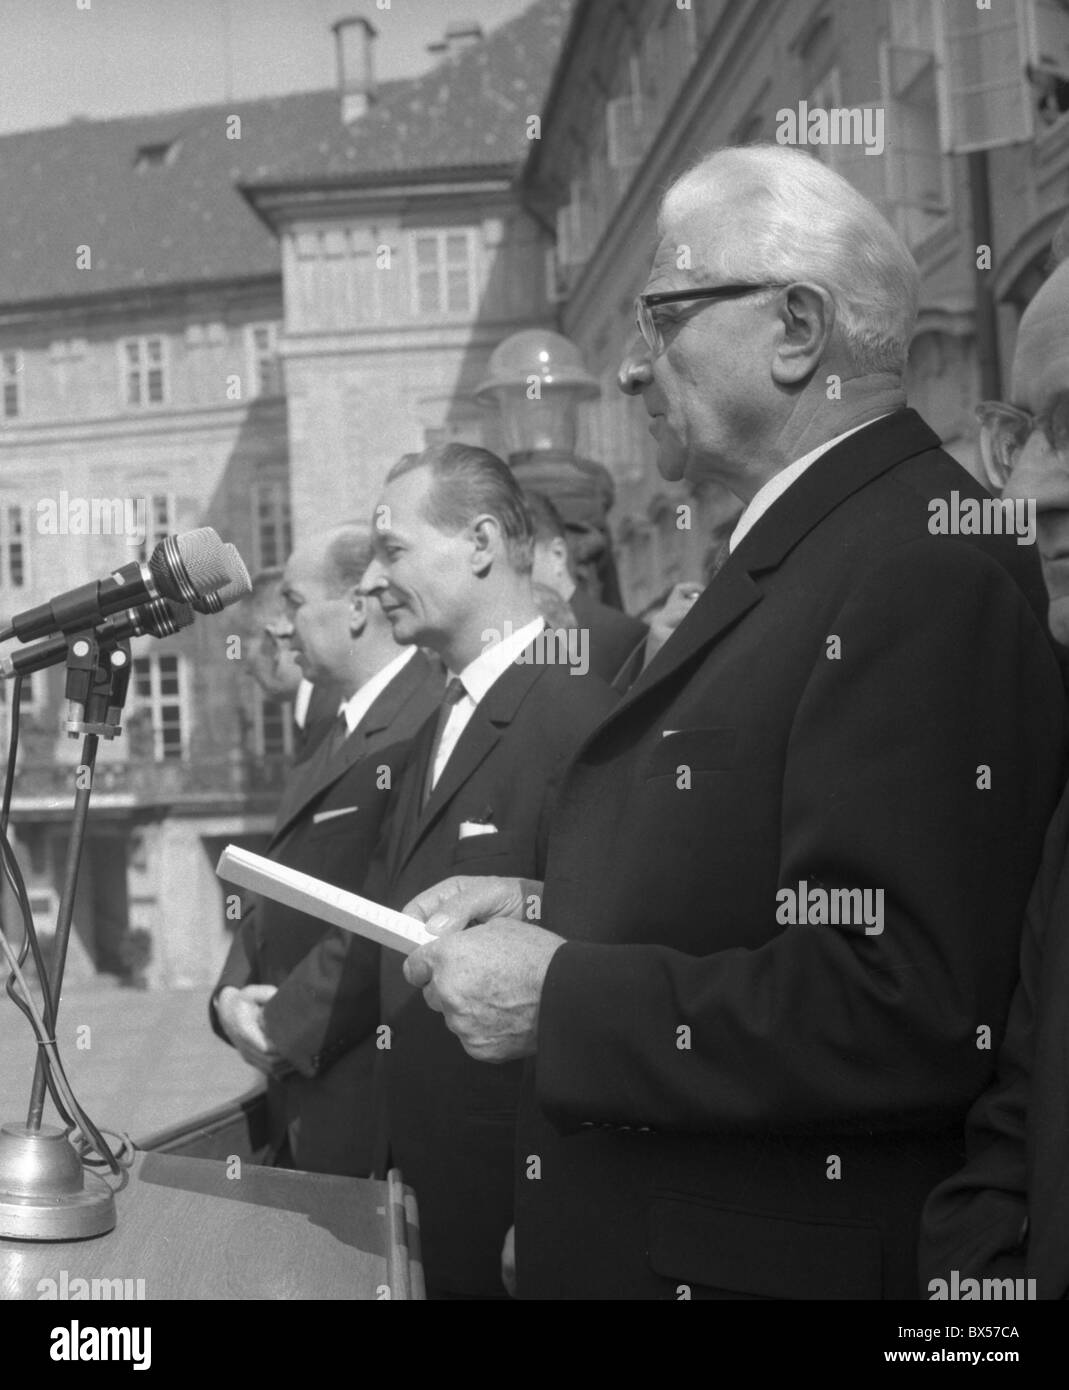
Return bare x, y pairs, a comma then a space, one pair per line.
319, 899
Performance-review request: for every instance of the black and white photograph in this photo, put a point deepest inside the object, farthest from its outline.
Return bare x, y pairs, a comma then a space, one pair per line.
534, 659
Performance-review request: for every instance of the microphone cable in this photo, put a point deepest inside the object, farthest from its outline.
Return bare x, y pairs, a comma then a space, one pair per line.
86, 1137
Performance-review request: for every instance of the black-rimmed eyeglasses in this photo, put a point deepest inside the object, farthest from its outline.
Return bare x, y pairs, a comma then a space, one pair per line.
646, 303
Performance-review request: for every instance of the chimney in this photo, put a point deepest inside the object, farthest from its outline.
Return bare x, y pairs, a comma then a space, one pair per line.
355, 38
465, 33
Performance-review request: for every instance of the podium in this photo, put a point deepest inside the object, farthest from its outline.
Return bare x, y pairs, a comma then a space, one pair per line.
194, 1227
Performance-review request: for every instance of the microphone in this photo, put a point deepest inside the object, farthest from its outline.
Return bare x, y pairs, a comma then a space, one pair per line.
238, 585
182, 568
160, 618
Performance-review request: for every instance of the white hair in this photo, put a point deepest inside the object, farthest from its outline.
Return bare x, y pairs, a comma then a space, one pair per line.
792, 218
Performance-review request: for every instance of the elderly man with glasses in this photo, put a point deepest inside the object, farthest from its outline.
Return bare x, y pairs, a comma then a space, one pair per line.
786, 874
1005, 1215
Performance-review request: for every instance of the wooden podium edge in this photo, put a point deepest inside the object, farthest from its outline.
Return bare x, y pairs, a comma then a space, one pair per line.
187, 1135
404, 1262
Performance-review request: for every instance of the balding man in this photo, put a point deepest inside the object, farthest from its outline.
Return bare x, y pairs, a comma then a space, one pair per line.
297, 999
786, 875
1005, 1215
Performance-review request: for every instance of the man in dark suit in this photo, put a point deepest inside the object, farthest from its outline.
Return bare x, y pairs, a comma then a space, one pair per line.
786, 875
613, 637
453, 573
1005, 1214
297, 999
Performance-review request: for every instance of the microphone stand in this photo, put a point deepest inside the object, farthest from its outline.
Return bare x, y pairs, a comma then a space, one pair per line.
45, 1193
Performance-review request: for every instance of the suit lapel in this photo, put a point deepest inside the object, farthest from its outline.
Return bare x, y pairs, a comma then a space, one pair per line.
384, 710
493, 714
834, 477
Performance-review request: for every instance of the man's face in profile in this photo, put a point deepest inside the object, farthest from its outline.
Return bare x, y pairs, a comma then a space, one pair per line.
1041, 386
420, 575
270, 661
705, 386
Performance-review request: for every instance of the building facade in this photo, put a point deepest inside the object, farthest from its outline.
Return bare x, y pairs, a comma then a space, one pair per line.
190, 335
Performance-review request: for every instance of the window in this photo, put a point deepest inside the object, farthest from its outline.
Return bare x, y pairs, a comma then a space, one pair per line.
444, 282
156, 156
274, 727
918, 185
157, 687
274, 533
142, 363
11, 375
12, 546
918, 178
576, 225
159, 522
265, 370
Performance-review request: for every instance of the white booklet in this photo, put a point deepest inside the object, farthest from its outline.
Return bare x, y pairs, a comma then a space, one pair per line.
334, 905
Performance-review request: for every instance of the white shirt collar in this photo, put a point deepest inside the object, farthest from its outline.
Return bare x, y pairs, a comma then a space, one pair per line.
358, 704
301, 701
495, 659
776, 486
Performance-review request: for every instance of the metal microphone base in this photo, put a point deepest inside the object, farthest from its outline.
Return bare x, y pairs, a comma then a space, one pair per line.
45, 1194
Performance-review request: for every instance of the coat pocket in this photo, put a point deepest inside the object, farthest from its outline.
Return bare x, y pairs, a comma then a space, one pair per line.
765, 1256
701, 750
474, 847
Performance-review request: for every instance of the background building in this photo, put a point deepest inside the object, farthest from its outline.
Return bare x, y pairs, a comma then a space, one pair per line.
160, 341
644, 87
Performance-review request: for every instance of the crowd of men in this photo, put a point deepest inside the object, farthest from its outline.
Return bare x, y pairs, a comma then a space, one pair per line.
750, 927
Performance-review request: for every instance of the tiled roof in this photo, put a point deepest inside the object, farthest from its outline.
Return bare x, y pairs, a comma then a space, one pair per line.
184, 220
469, 111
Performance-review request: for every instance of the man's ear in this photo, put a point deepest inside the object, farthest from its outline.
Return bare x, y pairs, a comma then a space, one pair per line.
489, 542
357, 612
807, 319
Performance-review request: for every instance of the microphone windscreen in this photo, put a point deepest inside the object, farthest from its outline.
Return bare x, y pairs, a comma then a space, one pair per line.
187, 566
239, 575
237, 584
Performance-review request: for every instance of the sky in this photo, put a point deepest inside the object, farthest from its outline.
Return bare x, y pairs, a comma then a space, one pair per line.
98, 58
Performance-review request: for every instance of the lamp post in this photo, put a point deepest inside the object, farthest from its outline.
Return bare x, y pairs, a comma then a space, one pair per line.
537, 381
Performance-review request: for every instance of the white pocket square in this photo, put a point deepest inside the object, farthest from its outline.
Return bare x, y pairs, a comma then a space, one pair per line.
329, 815
475, 827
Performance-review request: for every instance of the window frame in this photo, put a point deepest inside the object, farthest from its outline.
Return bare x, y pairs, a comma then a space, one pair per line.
7, 582
261, 705
155, 700
283, 522
13, 381
442, 268
253, 359
143, 369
